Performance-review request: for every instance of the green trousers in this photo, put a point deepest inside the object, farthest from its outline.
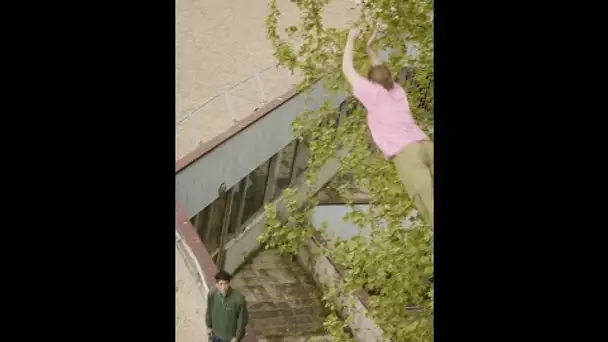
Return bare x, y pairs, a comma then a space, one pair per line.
415, 166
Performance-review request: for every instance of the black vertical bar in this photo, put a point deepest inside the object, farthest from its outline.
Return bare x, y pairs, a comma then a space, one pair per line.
228, 196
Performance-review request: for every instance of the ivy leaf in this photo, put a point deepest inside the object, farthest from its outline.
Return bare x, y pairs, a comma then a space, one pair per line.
397, 261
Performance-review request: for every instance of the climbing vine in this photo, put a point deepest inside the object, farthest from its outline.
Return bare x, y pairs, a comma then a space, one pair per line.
394, 263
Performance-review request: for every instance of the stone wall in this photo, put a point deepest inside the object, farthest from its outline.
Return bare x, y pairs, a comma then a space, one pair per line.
325, 273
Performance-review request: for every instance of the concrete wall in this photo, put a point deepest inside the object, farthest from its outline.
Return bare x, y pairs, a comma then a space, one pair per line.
325, 274
333, 215
323, 271
197, 185
195, 271
246, 243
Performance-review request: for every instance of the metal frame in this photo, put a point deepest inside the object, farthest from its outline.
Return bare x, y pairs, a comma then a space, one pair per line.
292, 165
221, 256
232, 202
294, 175
197, 221
240, 205
226, 93
201, 222
211, 211
271, 181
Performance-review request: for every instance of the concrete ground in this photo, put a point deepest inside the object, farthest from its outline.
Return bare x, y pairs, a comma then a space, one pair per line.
220, 44
283, 302
190, 303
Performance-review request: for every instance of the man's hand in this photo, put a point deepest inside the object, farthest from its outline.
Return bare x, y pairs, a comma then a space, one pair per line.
347, 59
234, 340
371, 40
209, 332
353, 33
373, 55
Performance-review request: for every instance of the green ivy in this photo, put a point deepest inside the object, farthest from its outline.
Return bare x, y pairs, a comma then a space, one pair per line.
393, 263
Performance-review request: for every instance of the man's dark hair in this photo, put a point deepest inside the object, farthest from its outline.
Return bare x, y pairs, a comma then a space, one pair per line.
223, 275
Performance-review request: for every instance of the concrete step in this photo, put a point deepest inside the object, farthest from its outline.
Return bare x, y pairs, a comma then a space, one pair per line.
282, 299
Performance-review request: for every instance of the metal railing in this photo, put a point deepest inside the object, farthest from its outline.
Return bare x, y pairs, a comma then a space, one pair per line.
218, 113
265, 93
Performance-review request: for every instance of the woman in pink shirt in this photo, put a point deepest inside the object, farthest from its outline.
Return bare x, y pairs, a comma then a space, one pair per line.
392, 126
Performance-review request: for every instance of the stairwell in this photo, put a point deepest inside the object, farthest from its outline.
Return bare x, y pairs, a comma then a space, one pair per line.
284, 303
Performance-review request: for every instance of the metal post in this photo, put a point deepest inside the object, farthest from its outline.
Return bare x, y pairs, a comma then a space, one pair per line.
261, 86
241, 204
221, 258
229, 103
271, 184
198, 222
289, 77
207, 229
293, 174
292, 167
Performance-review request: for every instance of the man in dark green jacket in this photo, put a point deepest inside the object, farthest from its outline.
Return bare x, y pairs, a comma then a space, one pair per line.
227, 315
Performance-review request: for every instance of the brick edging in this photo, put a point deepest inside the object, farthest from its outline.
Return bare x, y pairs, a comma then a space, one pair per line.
202, 256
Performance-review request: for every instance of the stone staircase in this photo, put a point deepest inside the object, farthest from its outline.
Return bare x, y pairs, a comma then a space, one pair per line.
284, 303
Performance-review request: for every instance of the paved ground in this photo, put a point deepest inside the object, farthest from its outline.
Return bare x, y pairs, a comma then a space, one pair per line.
190, 304
220, 43
284, 303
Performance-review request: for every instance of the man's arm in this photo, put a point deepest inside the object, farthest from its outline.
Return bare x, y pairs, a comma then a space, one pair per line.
347, 60
242, 320
371, 52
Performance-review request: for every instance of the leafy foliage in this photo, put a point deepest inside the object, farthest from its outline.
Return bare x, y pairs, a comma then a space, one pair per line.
393, 263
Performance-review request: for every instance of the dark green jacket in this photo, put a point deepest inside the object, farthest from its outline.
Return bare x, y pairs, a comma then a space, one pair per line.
227, 316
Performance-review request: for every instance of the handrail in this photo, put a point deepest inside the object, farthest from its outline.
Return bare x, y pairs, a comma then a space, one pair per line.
227, 89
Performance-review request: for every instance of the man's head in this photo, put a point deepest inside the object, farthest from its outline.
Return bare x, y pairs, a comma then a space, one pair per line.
381, 75
222, 282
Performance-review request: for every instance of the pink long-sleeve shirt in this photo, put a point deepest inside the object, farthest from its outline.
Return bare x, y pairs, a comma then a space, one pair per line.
388, 116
